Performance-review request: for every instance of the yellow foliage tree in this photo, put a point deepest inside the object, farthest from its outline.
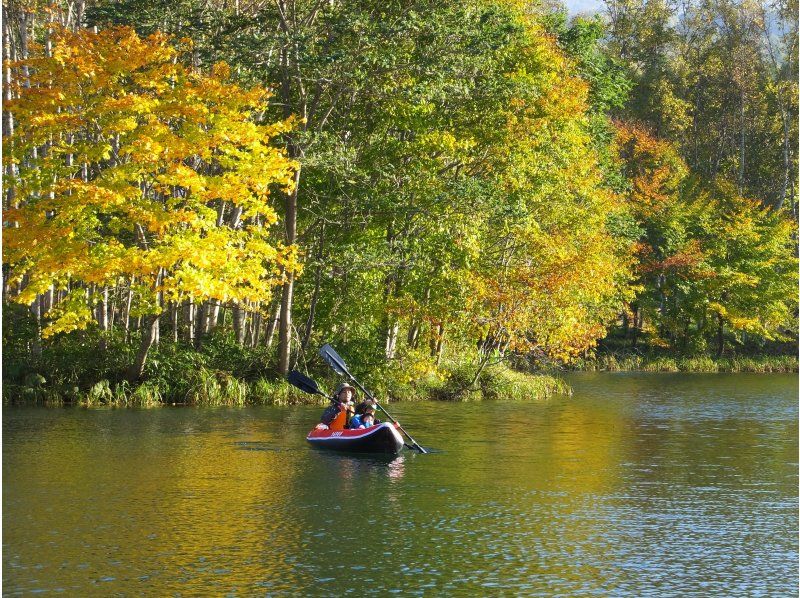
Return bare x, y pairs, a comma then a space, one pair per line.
128, 165
551, 274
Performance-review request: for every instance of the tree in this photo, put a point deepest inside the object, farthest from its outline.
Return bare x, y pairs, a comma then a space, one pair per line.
705, 253
135, 174
719, 79
749, 253
405, 113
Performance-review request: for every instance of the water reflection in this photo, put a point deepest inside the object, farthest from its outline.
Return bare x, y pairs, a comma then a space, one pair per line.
259, 446
638, 485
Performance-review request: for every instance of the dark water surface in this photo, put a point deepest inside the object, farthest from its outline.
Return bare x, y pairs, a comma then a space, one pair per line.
639, 485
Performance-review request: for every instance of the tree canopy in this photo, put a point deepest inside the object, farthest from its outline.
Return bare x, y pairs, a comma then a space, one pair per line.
400, 177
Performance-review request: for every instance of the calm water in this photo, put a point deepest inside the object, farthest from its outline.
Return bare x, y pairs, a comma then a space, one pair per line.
639, 485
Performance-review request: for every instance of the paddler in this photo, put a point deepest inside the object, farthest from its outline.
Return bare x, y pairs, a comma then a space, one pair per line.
337, 416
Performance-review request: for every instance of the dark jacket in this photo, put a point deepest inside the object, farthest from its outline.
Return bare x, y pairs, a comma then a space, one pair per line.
330, 413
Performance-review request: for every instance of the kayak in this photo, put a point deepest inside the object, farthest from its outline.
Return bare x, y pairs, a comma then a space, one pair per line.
381, 438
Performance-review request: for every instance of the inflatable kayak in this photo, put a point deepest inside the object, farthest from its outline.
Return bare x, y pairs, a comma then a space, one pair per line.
381, 438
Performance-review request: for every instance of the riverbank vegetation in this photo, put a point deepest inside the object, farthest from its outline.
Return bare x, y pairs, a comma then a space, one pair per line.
198, 195
222, 373
760, 364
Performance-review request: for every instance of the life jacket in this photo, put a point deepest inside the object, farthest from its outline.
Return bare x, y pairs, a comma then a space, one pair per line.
342, 419
331, 411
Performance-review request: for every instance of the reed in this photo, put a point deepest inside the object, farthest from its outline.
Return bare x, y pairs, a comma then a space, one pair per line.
280, 392
225, 375
507, 384
498, 382
698, 364
215, 388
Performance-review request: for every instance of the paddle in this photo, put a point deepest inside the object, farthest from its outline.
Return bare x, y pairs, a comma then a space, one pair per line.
305, 384
339, 366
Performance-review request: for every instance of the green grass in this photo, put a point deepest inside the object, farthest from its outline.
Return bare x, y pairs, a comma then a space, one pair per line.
507, 384
280, 392
215, 388
176, 378
703, 363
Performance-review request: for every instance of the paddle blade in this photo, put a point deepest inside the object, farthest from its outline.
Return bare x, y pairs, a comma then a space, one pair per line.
304, 383
333, 360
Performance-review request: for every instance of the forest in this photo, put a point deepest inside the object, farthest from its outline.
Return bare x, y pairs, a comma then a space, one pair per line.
455, 194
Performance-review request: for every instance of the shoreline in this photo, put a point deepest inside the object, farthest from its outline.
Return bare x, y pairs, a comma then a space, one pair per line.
216, 388
208, 387
754, 364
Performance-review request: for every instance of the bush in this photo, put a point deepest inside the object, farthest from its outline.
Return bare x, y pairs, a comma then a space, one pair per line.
698, 364
661, 364
72, 369
147, 394
99, 394
215, 388
504, 383
451, 382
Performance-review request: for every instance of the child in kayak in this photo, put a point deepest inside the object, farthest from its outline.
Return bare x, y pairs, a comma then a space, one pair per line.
364, 404
337, 416
363, 420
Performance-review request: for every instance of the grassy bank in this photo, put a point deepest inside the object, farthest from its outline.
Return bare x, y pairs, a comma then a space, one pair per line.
217, 388
451, 382
227, 375
202, 386
221, 373
661, 363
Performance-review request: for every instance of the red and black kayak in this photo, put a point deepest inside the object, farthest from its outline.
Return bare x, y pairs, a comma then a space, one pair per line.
381, 438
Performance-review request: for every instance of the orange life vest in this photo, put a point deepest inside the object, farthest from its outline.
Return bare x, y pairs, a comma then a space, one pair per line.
342, 418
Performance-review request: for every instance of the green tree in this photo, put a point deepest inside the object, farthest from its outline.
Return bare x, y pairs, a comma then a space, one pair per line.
749, 253
707, 258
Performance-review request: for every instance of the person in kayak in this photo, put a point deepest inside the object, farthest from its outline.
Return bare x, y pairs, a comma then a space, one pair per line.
337, 416
363, 420
362, 406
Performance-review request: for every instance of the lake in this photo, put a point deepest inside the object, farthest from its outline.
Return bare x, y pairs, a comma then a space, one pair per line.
638, 485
